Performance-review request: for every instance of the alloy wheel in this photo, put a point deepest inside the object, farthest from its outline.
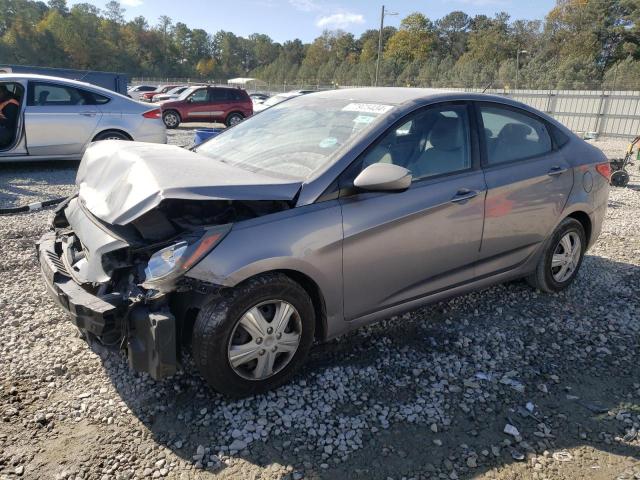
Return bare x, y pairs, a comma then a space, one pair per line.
264, 340
566, 257
171, 120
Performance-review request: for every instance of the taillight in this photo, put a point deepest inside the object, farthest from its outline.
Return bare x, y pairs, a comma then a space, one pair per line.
604, 169
152, 113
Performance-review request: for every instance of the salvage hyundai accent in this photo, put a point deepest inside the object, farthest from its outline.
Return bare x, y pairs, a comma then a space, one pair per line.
321, 214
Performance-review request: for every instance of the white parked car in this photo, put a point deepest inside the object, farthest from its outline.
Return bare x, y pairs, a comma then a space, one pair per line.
58, 118
281, 97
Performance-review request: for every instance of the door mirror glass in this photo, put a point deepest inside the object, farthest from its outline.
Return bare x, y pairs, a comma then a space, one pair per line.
383, 177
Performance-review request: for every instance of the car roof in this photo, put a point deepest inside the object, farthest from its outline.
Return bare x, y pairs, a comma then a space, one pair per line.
401, 95
8, 77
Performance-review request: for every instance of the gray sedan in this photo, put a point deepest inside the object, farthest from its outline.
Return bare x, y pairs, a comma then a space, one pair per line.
59, 118
325, 212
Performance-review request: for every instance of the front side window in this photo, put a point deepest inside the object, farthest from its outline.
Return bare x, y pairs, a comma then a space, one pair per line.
510, 135
431, 142
199, 96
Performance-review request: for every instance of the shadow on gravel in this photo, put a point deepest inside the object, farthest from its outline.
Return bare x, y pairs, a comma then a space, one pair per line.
22, 183
577, 390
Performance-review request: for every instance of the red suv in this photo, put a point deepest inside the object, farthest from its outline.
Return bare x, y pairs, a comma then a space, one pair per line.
208, 104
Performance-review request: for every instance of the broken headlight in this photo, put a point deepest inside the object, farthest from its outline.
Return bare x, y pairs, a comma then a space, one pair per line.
172, 262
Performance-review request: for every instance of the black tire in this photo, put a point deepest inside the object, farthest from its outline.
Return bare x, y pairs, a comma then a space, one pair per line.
111, 135
620, 178
171, 119
216, 323
233, 119
543, 278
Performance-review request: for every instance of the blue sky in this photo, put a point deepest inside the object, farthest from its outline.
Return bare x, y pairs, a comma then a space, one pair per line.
305, 19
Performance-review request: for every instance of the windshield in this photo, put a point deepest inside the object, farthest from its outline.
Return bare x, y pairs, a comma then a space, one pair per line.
294, 139
175, 90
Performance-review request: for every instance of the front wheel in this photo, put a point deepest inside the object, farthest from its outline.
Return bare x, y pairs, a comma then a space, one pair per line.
234, 119
171, 119
561, 259
255, 339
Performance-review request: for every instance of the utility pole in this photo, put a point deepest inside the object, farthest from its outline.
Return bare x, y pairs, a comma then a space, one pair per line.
518, 65
382, 14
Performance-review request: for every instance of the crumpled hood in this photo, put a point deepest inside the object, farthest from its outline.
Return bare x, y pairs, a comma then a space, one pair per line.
120, 181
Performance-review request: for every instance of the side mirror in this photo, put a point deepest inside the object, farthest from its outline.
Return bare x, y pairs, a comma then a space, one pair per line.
383, 177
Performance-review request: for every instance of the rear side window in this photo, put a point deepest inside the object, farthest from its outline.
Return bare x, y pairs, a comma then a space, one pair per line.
218, 94
510, 135
51, 94
95, 98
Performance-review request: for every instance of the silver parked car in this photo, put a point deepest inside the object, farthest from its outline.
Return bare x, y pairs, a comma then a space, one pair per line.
324, 213
58, 118
136, 91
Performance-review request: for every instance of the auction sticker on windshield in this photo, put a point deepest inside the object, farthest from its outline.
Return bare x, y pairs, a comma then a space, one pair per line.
367, 108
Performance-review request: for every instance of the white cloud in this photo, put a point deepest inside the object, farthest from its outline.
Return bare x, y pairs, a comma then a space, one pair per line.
305, 5
340, 20
132, 3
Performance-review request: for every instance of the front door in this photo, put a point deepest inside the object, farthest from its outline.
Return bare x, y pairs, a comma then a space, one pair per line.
14, 145
528, 185
199, 108
405, 245
59, 119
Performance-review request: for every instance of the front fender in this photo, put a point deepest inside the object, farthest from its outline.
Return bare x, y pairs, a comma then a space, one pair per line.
307, 240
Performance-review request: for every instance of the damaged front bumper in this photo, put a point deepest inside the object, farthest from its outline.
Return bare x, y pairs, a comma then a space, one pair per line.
145, 328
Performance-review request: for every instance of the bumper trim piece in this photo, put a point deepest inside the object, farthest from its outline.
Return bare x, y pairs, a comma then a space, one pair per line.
88, 312
150, 335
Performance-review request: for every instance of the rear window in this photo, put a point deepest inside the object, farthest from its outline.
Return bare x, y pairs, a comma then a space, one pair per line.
51, 94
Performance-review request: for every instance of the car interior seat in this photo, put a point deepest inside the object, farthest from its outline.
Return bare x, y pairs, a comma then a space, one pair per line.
444, 150
512, 142
42, 97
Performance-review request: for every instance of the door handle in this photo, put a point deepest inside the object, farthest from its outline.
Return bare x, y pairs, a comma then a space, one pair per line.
556, 171
88, 114
463, 195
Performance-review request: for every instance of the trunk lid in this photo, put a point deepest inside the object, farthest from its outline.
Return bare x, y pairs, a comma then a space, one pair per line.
120, 181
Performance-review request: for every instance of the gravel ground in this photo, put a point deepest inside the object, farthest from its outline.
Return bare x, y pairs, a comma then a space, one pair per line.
506, 383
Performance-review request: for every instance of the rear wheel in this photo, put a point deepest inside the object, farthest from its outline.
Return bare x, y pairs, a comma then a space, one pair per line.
234, 119
111, 135
171, 119
562, 257
256, 339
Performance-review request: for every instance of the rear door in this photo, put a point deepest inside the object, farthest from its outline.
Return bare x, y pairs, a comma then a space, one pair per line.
528, 183
221, 103
405, 245
59, 119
